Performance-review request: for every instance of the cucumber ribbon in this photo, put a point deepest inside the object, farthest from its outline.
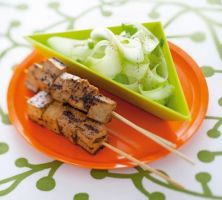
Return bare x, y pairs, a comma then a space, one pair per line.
133, 58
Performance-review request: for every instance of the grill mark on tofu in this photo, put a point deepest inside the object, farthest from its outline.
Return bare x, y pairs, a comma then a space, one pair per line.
88, 100
56, 87
62, 87
91, 128
71, 117
89, 131
101, 109
67, 127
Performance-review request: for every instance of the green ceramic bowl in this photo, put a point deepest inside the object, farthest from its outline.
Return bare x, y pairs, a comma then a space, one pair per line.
176, 109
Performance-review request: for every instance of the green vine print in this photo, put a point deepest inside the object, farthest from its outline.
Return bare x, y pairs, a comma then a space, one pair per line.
211, 24
4, 117
70, 20
20, 7
209, 71
46, 183
137, 179
3, 148
81, 196
13, 43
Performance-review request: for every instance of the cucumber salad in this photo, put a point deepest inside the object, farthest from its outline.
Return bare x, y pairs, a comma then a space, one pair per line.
133, 58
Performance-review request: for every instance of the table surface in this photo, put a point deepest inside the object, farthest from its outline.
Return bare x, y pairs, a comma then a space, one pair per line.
196, 26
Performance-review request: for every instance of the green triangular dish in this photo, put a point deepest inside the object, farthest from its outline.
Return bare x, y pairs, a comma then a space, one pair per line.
177, 108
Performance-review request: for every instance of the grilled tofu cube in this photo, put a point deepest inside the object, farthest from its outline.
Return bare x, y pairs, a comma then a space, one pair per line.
45, 82
33, 76
54, 67
68, 122
51, 114
82, 95
91, 132
37, 106
62, 87
101, 109
92, 149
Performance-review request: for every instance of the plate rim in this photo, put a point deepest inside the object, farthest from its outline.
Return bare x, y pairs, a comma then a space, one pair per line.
109, 165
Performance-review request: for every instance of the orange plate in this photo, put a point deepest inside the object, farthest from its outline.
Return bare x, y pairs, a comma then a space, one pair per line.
120, 135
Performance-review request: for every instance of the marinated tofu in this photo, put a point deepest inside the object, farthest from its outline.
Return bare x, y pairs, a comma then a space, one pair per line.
51, 114
92, 148
61, 89
33, 76
45, 82
79, 93
37, 106
91, 132
101, 109
68, 122
54, 67
82, 95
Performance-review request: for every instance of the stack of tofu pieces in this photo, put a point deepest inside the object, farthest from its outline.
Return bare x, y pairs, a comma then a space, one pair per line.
68, 105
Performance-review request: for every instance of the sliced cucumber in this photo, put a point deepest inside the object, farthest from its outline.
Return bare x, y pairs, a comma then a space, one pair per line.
152, 79
104, 59
148, 40
135, 70
134, 58
131, 49
133, 86
159, 94
76, 49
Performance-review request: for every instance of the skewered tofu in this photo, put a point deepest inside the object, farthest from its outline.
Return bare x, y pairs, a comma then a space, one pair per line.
91, 132
45, 82
37, 105
62, 87
92, 148
33, 77
66, 120
42, 76
54, 67
101, 109
51, 114
82, 95
78, 92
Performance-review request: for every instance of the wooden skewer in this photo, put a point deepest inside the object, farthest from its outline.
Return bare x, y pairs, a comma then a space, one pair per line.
164, 143
143, 165
145, 132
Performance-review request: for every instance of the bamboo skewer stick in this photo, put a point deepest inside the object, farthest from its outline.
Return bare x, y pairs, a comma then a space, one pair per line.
143, 165
143, 131
157, 139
